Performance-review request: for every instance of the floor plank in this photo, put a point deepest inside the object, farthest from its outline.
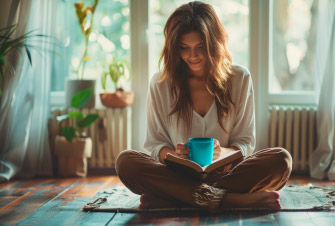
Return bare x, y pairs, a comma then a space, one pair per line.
65, 209
293, 218
35, 194
323, 218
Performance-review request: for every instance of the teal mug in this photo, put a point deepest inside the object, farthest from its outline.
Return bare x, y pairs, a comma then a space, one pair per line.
201, 150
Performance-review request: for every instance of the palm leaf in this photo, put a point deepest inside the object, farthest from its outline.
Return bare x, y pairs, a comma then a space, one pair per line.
29, 55
7, 28
8, 44
6, 64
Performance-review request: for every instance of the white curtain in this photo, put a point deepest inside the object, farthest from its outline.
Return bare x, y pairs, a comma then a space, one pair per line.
24, 106
322, 161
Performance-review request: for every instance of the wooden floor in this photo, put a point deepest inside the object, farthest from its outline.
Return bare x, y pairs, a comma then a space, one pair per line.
56, 201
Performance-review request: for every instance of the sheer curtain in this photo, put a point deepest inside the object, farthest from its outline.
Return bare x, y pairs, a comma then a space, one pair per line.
322, 161
24, 107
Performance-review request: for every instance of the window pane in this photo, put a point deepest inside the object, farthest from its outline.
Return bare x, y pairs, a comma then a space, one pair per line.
294, 30
234, 15
110, 37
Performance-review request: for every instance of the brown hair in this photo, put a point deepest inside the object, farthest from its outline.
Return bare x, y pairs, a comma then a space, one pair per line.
201, 18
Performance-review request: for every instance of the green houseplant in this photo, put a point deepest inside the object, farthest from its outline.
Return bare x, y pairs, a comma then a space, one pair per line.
85, 16
115, 70
81, 121
7, 45
73, 148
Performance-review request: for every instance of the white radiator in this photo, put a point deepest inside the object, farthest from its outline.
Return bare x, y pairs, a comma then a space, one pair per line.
110, 134
294, 128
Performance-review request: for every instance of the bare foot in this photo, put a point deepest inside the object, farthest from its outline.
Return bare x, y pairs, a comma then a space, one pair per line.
261, 199
149, 201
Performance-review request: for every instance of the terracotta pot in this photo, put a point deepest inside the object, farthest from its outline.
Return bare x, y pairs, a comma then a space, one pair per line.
72, 157
117, 99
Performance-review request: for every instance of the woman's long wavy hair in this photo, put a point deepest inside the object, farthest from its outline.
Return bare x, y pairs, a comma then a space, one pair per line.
197, 17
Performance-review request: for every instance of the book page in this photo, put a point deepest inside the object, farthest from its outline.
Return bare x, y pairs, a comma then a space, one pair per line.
224, 160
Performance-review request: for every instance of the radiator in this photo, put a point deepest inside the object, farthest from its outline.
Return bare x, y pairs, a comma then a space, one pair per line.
110, 134
294, 128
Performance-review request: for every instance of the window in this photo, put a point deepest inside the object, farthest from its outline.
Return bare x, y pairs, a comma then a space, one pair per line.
293, 38
110, 37
280, 55
234, 15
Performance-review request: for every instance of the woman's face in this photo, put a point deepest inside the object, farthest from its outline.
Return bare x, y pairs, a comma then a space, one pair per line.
192, 52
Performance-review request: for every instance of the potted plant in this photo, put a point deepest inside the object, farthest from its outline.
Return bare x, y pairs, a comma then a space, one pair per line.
85, 17
74, 147
115, 71
7, 44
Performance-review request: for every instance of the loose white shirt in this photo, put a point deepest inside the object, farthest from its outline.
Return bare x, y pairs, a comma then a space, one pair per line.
239, 126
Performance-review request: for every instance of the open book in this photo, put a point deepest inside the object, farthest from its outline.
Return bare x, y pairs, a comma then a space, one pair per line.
195, 170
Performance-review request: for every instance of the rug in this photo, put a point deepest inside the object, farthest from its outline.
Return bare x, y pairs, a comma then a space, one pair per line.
292, 198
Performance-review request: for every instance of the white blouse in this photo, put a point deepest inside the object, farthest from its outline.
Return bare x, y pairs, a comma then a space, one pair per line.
239, 126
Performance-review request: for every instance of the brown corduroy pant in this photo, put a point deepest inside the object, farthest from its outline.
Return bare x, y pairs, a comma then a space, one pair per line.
268, 169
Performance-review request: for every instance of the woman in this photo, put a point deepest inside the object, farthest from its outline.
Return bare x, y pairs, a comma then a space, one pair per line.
199, 93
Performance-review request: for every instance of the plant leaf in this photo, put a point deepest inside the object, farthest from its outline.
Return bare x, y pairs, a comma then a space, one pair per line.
88, 120
29, 55
103, 80
68, 133
76, 114
81, 98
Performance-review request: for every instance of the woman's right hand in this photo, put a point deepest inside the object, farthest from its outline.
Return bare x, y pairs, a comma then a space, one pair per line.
182, 151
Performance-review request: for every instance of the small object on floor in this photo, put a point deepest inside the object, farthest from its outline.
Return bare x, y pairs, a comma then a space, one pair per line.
292, 198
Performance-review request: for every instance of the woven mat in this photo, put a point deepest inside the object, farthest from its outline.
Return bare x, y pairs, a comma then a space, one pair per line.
292, 198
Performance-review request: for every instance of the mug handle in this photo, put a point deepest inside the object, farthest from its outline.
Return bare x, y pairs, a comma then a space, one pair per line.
188, 144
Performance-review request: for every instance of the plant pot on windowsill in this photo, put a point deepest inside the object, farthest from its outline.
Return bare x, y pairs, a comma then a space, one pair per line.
72, 86
72, 157
118, 99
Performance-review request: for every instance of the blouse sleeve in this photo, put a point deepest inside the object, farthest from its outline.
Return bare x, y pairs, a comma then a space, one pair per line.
243, 134
157, 131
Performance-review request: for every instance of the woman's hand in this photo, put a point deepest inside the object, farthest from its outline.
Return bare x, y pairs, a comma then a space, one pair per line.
217, 154
182, 151
217, 150
224, 169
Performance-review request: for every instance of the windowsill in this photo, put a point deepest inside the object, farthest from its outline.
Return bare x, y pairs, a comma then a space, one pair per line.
293, 98
57, 99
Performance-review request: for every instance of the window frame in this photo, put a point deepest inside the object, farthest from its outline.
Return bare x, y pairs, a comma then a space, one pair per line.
260, 42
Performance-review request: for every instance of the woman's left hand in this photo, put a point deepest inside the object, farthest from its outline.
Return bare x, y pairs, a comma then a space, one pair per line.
217, 154
217, 150
224, 169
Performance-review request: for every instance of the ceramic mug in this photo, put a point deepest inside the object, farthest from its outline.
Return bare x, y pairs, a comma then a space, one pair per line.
201, 150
